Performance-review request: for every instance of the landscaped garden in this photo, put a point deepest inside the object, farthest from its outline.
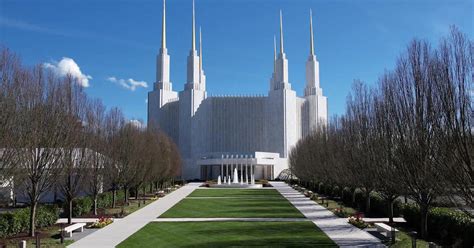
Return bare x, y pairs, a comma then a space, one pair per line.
231, 203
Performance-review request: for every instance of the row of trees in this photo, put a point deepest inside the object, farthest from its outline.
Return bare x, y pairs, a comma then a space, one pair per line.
411, 134
53, 137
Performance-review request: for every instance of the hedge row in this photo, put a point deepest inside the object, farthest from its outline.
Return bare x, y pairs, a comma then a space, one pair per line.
17, 221
449, 227
84, 205
378, 206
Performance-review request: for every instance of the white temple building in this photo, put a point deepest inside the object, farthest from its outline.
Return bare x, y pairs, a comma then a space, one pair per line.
216, 132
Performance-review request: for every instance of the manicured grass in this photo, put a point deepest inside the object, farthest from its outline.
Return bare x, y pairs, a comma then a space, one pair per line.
233, 207
235, 193
229, 234
404, 240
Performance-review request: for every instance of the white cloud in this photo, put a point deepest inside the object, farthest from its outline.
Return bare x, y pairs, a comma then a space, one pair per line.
130, 84
69, 66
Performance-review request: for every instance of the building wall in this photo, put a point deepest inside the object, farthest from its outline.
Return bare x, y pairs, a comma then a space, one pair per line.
234, 124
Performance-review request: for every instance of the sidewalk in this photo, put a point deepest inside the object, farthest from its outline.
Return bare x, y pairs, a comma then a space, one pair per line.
341, 232
115, 233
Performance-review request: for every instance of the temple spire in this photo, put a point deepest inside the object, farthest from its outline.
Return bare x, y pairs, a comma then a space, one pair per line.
281, 34
193, 46
311, 41
200, 54
274, 52
163, 28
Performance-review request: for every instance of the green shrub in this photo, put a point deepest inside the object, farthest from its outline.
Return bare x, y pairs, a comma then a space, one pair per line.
81, 206
104, 200
449, 227
18, 220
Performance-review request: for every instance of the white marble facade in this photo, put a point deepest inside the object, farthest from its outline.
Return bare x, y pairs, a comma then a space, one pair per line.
202, 125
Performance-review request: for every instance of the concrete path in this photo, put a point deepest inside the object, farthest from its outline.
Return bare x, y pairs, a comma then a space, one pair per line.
113, 234
80, 235
230, 219
338, 229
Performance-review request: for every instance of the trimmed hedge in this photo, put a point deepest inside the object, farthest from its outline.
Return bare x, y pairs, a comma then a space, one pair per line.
105, 199
449, 227
17, 221
84, 205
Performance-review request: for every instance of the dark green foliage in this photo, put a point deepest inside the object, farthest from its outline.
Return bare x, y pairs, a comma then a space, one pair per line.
84, 205
17, 221
105, 200
449, 227
81, 206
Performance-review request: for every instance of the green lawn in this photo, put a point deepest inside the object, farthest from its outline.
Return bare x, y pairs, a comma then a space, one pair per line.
229, 234
233, 207
235, 193
404, 240
249, 203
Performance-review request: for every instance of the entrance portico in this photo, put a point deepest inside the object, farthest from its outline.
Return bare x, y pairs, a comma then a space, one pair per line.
260, 165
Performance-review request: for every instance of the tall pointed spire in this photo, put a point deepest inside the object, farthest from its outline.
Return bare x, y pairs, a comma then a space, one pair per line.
311, 42
193, 46
200, 54
281, 34
274, 52
163, 27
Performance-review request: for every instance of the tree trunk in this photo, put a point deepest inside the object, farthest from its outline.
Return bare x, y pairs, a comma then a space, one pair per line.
424, 220
95, 204
69, 217
390, 211
136, 196
144, 193
125, 189
114, 192
367, 202
33, 206
353, 197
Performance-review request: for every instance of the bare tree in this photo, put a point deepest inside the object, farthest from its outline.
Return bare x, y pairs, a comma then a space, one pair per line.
95, 131
358, 129
114, 123
74, 145
39, 131
453, 65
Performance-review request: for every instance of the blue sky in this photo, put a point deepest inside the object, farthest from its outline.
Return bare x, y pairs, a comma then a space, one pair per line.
120, 39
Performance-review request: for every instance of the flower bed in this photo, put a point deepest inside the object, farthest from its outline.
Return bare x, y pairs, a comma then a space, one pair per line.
340, 212
357, 221
102, 222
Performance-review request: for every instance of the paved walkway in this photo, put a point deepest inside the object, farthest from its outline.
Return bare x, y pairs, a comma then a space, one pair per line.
341, 232
230, 219
113, 234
